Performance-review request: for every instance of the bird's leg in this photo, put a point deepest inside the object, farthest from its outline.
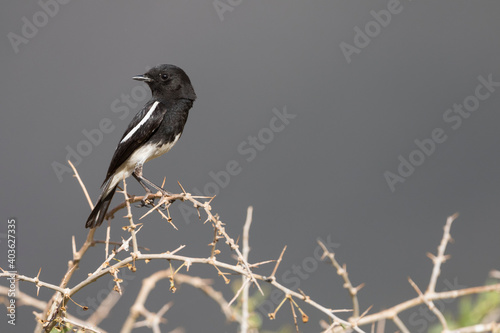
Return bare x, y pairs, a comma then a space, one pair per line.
156, 187
145, 201
138, 176
143, 181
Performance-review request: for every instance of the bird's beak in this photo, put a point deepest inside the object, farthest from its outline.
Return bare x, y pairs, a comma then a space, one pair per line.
142, 78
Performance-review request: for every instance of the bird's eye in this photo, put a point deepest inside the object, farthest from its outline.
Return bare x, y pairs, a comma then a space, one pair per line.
164, 76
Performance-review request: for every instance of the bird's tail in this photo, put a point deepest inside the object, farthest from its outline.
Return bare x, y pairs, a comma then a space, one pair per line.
99, 212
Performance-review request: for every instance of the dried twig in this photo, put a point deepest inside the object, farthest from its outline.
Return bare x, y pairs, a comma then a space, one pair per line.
84, 189
430, 294
245, 285
430, 305
53, 305
133, 226
342, 271
400, 324
440, 258
149, 284
55, 310
204, 285
277, 263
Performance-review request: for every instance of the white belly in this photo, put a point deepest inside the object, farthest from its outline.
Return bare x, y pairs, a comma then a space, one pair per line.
139, 157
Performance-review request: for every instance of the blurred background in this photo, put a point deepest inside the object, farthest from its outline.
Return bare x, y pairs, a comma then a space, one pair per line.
365, 124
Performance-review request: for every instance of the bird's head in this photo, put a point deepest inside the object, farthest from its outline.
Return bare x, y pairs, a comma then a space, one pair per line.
168, 82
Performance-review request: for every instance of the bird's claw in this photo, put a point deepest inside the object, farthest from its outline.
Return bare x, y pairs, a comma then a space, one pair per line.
151, 201
147, 201
167, 204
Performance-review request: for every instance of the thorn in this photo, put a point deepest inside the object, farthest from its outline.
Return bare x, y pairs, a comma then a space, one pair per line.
278, 262
73, 245
303, 293
366, 311
358, 288
182, 188
431, 256
38, 280
226, 280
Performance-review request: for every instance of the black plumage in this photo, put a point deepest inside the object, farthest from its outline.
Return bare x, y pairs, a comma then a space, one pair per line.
152, 132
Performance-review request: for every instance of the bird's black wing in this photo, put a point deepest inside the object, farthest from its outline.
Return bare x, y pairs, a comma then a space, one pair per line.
140, 129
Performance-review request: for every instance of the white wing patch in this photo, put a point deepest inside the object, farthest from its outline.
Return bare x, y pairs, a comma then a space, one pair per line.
143, 120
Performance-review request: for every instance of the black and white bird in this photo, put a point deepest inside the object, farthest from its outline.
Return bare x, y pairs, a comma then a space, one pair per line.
153, 132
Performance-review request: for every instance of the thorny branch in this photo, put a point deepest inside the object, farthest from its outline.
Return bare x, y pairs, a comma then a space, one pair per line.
342, 271
246, 287
430, 295
55, 311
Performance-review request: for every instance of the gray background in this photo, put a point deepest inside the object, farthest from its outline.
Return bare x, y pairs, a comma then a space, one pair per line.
322, 175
